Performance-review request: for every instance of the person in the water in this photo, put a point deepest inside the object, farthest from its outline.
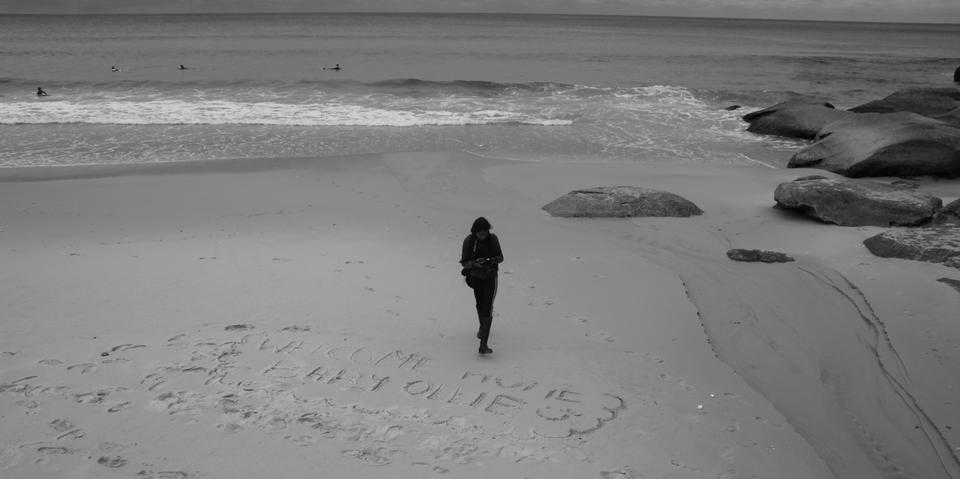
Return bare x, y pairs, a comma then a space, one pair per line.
40, 92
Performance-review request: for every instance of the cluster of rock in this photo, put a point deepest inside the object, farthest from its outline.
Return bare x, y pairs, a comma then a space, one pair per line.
632, 201
913, 132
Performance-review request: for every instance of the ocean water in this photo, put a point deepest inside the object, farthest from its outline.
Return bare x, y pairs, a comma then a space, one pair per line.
527, 87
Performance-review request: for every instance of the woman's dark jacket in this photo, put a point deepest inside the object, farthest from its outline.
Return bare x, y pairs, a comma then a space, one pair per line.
474, 249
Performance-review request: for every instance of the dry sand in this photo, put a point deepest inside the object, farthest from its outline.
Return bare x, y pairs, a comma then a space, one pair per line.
306, 318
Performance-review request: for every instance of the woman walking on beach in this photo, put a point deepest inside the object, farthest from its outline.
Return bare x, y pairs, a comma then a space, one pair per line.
480, 258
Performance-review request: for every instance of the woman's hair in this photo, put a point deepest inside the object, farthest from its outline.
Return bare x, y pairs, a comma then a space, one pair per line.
480, 224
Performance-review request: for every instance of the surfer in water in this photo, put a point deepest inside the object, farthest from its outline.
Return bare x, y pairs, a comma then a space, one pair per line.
40, 92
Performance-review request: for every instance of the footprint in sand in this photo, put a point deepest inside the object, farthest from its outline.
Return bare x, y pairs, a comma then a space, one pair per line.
50, 362
82, 368
238, 327
61, 425
28, 404
600, 337
541, 303
436, 469
152, 381
127, 347
112, 462
297, 329
682, 382
230, 428
162, 475
302, 441
368, 455
622, 473
118, 407
683, 466
72, 434
97, 397
54, 450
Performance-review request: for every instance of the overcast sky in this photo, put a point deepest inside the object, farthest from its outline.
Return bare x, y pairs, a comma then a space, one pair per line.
939, 11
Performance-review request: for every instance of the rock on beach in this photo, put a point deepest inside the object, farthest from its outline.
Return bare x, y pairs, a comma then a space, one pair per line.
856, 202
758, 256
948, 215
884, 144
934, 245
801, 117
621, 202
941, 103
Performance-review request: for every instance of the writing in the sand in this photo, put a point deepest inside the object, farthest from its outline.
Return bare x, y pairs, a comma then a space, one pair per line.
359, 369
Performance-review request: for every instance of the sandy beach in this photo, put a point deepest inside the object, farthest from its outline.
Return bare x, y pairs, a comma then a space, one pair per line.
306, 318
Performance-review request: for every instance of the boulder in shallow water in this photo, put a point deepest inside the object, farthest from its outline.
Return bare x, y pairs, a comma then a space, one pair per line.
935, 245
948, 215
857, 202
941, 103
884, 144
758, 256
800, 117
621, 201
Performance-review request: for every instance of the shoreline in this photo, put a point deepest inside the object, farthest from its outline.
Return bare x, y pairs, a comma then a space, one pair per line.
719, 369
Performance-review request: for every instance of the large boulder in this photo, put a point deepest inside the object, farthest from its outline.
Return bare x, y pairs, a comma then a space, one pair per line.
935, 245
942, 103
884, 144
621, 201
800, 117
856, 202
948, 215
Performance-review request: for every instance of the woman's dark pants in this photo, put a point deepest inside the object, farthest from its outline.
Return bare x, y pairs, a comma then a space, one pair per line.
484, 292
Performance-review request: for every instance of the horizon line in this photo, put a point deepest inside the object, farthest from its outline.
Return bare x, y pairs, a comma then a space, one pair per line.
344, 12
